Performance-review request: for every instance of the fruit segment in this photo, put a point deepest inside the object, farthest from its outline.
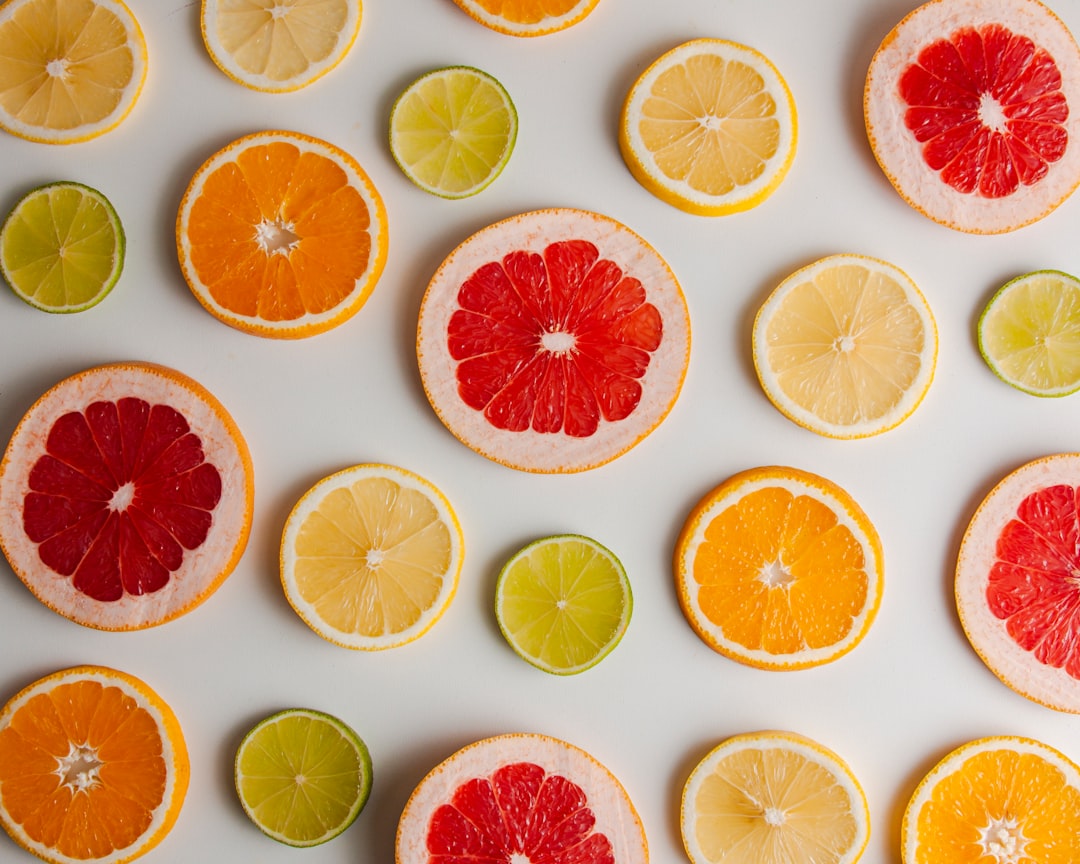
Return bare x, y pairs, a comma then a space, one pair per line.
527, 17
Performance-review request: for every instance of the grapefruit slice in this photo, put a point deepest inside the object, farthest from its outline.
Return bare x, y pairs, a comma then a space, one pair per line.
553, 341
125, 496
972, 109
1017, 593
520, 797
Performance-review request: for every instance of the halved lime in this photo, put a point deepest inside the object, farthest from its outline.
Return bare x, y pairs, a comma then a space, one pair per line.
302, 776
62, 247
563, 603
452, 131
1029, 333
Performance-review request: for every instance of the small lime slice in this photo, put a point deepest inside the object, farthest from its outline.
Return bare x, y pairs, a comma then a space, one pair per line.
62, 247
563, 603
452, 131
302, 776
1029, 333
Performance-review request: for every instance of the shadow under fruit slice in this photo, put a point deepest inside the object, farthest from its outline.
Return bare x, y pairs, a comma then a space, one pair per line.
553, 341
126, 496
520, 797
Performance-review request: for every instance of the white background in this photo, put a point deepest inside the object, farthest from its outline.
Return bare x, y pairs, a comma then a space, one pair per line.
908, 694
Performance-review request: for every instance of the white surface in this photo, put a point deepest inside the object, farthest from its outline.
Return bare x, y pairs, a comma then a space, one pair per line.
910, 692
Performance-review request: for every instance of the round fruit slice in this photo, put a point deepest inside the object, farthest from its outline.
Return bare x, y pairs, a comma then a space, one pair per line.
710, 127
452, 131
520, 797
846, 347
126, 495
281, 235
1029, 333
93, 767
70, 70
302, 776
62, 247
280, 46
780, 569
773, 797
527, 17
553, 341
972, 109
370, 557
563, 603
1000, 800
1016, 589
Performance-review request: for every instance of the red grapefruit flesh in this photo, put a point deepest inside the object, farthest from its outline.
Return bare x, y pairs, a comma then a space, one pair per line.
553, 341
973, 111
520, 797
1018, 581
125, 496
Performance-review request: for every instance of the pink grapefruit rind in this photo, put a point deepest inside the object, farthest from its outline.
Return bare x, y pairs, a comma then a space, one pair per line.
615, 815
1015, 666
898, 152
204, 568
558, 452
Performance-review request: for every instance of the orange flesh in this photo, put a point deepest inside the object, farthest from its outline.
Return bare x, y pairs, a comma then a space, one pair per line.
527, 11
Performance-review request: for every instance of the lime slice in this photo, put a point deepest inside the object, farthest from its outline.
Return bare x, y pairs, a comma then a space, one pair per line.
302, 776
563, 603
1029, 333
452, 131
62, 247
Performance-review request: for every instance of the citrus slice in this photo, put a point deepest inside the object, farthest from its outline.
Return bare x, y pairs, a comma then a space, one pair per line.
972, 109
846, 347
1016, 589
70, 70
62, 247
563, 603
773, 798
527, 17
1029, 333
553, 341
710, 128
277, 46
997, 800
93, 767
520, 797
126, 495
281, 235
302, 776
779, 568
370, 556
452, 131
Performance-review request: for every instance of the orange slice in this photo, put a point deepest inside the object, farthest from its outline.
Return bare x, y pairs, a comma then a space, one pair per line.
996, 800
779, 568
93, 767
126, 496
520, 797
1017, 592
281, 235
527, 17
553, 341
972, 109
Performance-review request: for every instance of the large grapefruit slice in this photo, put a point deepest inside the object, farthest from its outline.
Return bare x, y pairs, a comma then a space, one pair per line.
553, 341
516, 798
1017, 591
972, 109
125, 496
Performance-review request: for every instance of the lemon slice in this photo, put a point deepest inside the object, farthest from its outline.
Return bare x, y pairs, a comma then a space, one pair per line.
452, 131
1029, 333
279, 45
302, 776
846, 347
70, 70
563, 603
710, 127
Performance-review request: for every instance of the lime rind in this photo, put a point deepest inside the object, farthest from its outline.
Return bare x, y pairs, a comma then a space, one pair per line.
1029, 333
